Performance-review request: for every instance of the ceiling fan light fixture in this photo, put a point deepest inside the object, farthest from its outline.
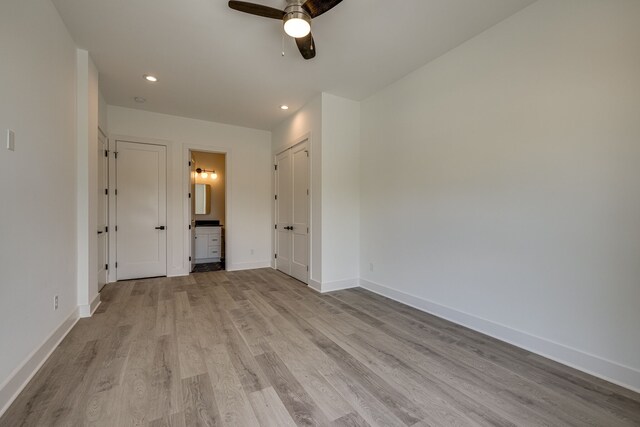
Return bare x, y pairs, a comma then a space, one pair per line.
296, 19
297, 24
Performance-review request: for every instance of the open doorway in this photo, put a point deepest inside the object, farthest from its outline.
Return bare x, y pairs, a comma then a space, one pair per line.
208, 210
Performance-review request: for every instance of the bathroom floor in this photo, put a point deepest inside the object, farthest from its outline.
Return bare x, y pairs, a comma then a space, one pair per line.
213, 266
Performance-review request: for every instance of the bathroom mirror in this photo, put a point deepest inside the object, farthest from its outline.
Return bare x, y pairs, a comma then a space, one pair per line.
203, 199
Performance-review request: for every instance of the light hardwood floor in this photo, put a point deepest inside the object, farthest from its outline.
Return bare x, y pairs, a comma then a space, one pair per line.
258, 348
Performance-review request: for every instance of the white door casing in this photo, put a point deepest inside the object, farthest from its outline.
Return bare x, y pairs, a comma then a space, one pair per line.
292, 211
141, 211
192, 224
300, 212
103, 208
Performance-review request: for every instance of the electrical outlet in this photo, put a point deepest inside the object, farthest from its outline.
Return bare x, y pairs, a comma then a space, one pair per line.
55, 302
370, 266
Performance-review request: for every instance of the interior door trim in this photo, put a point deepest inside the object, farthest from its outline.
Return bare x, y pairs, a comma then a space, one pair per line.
186, 185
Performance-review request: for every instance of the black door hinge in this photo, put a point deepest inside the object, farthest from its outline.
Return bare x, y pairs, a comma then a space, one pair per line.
275, 167
307, 268
189, 258
116, 228
276, 197
115, 153
106, 191
106, 266
189, 226
116, 192
276, 256
106, 229
106, 153
189, 163
276, 226
116, 265
189, 195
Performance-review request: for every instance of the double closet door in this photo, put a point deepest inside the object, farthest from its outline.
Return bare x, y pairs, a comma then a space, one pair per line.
292, 211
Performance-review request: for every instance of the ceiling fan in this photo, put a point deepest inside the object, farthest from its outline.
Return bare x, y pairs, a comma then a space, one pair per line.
296, 18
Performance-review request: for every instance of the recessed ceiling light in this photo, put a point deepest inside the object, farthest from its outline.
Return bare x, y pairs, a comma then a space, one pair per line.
140, 100
150, 78
284, 107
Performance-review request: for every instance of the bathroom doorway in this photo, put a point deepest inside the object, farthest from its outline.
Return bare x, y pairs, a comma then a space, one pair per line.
208, 211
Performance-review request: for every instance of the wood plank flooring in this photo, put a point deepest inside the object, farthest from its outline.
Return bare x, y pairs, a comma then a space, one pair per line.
259, 348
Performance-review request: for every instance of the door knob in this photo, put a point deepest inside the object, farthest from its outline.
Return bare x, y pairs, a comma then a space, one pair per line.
162, 227
100, 232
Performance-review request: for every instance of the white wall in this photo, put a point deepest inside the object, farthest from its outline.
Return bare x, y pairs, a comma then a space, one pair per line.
37, 187
340, 192
87, 183
248, 223
102, 113
333, 127
307, 122
501, 185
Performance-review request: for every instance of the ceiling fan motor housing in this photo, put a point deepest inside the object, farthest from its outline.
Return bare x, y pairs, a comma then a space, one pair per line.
294, 10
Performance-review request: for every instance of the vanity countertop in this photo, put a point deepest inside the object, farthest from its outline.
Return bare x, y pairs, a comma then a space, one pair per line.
208, 223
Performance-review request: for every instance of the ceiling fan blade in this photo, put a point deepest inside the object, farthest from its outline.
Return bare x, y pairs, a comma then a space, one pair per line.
307, 46
318, 7
256, 9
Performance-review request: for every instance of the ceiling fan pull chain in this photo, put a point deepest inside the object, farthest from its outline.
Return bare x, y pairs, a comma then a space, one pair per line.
283, 45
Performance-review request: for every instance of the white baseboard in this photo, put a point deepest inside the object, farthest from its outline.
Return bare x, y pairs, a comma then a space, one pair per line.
248, 265
21, 376
315, 285
88, 309
180, 274
339, 285
608, 370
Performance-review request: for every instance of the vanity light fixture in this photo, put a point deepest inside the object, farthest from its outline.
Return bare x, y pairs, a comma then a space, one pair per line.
205, 173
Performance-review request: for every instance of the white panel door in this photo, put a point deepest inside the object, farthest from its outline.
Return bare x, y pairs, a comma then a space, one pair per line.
284, 199
300, 212
103, 209
292, 212
141, 210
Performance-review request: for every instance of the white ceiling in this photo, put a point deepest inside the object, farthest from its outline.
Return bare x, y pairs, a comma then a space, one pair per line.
225, 66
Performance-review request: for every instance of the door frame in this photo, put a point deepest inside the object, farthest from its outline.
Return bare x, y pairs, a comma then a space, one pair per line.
186, 188
113, 140
304, 138
107, 214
